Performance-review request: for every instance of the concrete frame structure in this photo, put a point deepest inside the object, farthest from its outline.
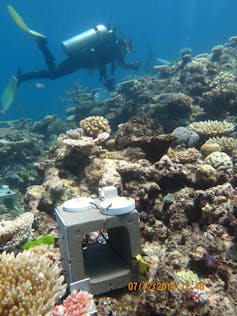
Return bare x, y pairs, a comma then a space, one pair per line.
102, 267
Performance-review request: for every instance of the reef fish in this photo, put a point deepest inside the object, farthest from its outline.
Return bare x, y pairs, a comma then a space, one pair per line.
39, 85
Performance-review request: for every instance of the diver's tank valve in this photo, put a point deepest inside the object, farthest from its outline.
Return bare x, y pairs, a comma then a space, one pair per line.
85, 40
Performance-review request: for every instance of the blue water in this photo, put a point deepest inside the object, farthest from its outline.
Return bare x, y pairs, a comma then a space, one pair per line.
167, 26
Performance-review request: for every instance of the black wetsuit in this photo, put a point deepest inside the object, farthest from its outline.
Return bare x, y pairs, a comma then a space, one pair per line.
104, 52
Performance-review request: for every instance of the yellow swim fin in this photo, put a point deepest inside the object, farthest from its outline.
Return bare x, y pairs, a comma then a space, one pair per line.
9, 93
19, 21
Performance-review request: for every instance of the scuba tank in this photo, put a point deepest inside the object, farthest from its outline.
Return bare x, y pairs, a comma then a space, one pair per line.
85, 40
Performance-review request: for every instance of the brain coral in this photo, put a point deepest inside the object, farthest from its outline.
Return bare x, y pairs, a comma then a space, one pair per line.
94, 125
29, 285
220, 161
212, 128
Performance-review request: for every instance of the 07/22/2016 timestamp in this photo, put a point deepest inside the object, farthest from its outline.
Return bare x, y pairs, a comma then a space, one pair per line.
164, 286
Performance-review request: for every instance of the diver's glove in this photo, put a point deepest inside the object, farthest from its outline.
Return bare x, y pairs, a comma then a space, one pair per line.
135, 66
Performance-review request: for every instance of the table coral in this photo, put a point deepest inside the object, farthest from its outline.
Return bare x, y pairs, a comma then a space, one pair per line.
212, 128
76, 138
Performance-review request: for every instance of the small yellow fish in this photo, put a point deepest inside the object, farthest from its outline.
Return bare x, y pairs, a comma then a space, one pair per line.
144, 266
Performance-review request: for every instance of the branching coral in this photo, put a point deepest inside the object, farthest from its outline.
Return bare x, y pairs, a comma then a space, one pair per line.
29, 285
222, 93
211, 128
227, 144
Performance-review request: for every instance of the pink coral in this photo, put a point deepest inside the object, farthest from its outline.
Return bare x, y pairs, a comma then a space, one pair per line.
198, 295
76, 304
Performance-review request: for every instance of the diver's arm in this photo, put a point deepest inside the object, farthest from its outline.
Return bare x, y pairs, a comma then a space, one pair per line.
133, 66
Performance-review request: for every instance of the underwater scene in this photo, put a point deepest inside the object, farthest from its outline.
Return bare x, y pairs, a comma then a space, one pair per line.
118, 158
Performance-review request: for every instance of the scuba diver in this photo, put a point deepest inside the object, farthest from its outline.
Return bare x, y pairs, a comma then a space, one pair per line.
92, 49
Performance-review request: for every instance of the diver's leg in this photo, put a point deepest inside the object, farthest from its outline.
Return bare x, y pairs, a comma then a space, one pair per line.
37, 74
109, 84
68, 66
40, 74
54, 71
9, 92
48, 57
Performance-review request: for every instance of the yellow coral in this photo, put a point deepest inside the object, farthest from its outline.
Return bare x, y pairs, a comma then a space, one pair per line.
209, 148
184, 155
29, 285
206, 174
186, 278
227, 144
94, 125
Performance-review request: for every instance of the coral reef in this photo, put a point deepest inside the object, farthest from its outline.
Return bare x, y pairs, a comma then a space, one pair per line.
226, 144
222, 164
54, 190
94, 125
209, 147
50, 127
185, 137
192, 86
183, 156
14, 232
28, 285
76, 304
212, 128
20, 144
183, 179
136, 127
206, 175
75, 138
